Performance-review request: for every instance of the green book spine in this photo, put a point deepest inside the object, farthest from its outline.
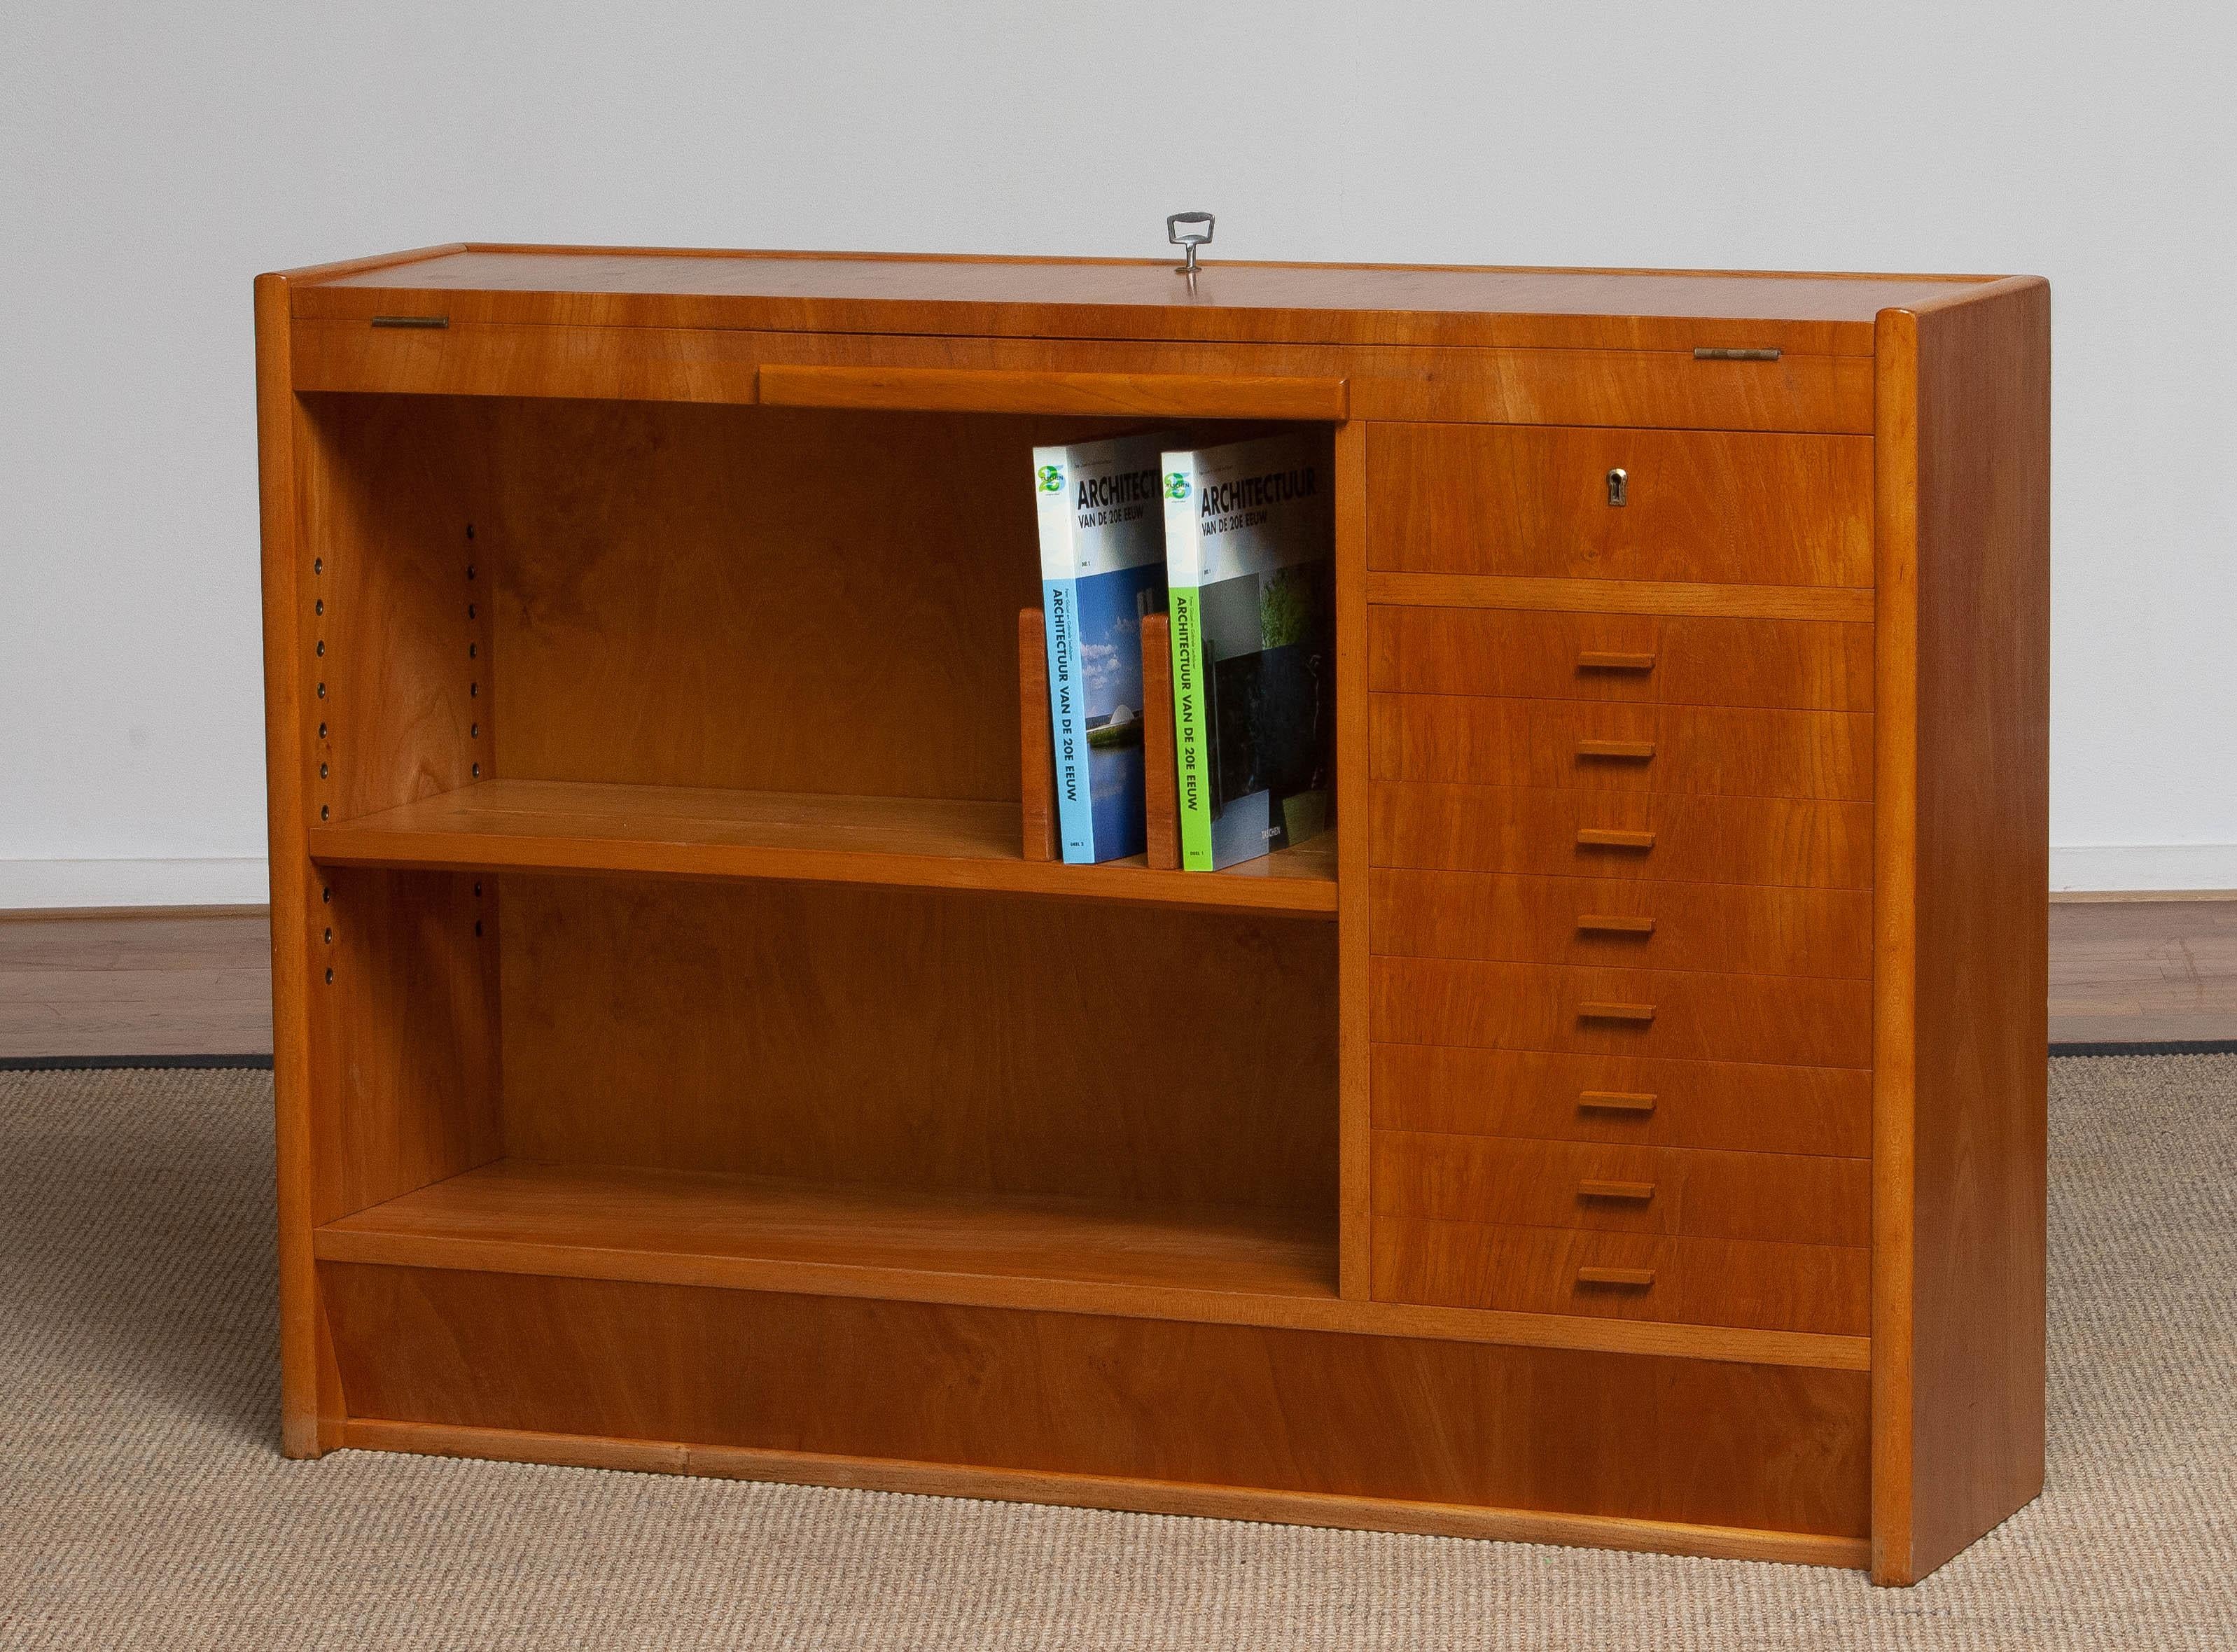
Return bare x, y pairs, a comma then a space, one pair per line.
1191, 742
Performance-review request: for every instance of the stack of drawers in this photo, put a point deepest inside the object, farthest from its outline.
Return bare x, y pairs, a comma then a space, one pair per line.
1621, 923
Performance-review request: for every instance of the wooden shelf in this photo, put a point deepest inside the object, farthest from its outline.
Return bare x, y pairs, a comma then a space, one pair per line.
918, 843
1205, 1265
704, 1227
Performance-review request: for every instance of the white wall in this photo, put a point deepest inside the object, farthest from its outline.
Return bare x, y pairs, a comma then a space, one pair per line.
156, 157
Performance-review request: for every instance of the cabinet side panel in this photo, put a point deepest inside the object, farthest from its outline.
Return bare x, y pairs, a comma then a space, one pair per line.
310, 1398
1972, 1356
397, 554
395, 579
404, 1032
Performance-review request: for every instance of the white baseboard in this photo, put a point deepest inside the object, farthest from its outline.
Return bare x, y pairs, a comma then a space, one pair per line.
2144, 867
31, 884
242, 881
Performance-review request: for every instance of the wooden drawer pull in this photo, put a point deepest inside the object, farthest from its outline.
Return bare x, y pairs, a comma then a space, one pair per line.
1632, 751
1629, 1279
1593, 660
1614, 923
1614, 1101
1640, 1191
1594, 1011
1609, 837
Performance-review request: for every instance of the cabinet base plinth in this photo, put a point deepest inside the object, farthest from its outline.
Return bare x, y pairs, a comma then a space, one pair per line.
1094, 1491
1638, 1452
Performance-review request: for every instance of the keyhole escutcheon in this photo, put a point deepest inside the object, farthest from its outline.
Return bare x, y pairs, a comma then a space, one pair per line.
1619, 486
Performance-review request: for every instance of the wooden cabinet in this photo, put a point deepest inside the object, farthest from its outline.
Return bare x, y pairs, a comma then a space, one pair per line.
1625, 1129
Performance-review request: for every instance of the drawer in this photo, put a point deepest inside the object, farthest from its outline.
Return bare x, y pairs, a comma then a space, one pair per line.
1732, 929
1782, 1198
1806, 665
1718, 750
1824, 1288
1724, 507
1802, 844
1787, 1021
1745, 1106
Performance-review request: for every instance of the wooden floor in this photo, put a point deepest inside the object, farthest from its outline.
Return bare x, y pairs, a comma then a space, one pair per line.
198, 983
2143, 972
186, 983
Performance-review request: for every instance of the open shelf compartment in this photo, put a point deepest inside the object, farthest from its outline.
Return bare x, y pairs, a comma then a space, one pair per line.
793, 1084
747, 675
710, 642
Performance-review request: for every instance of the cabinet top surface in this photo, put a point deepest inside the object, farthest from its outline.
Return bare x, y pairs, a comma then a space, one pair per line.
1145, 299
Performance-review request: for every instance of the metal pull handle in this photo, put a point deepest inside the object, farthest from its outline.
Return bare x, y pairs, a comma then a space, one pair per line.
1601, 660
1610, 838
1592, 1011
1189, 238
1636, 1192
1623, 1279
1629, 751
1614, 1101
1614, 923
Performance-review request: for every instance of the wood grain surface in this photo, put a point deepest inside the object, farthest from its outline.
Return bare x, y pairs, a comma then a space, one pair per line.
903, 1039
1806, 665
1384, 1417
1356, 1209
1960, 1121
1664, 598
1630, 1276
719, 833
1106, 1491
1161, 827
629, 363
1733, 929
702, 614
310, 1388
1061, 298
1702, 506
1687, 839
1097, 395
1200, 1264
1725, 750
1782, 1198
1750, 1106
392, 1112
518, 1215
1795, 1021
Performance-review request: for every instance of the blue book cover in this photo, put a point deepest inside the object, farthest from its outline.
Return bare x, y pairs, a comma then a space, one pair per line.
1103, 569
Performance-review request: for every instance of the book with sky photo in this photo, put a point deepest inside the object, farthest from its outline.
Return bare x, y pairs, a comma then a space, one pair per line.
1103, 569
1249, 535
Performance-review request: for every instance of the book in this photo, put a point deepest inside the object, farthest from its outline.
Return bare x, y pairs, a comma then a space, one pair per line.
1103, 569
1249, 538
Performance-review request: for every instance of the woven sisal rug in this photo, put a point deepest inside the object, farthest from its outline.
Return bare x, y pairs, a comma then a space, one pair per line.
143, 1502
